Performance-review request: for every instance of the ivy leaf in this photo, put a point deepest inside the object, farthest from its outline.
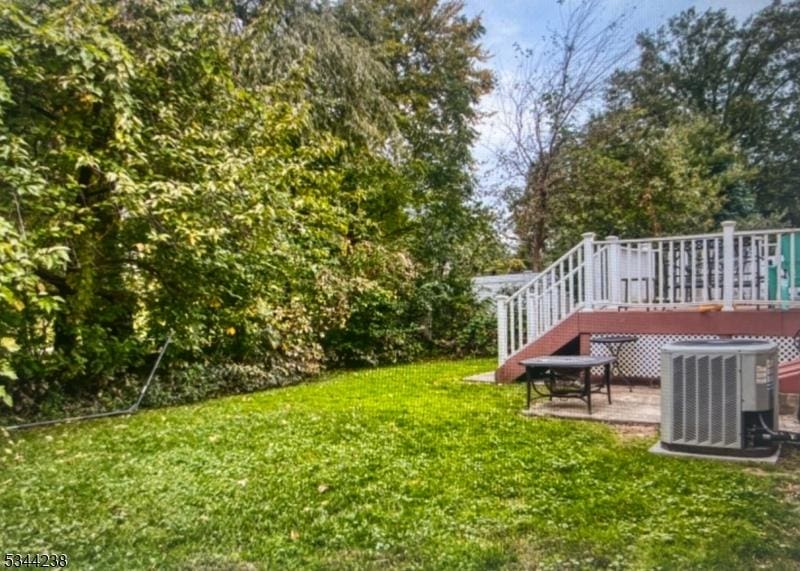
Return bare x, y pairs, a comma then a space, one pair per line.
9, 344
5, 397
7, 371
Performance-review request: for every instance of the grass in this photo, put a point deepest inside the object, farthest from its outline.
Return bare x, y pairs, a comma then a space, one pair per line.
401, 467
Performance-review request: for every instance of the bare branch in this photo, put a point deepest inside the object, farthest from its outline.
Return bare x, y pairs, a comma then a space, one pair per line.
551, 94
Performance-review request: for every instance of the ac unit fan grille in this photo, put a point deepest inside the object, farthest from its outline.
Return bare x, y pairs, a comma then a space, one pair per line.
704, 406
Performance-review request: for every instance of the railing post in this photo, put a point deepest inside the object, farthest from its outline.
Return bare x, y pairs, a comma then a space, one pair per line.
728, 264
502, 328
644, 273
529, 319
613, 271
588, 270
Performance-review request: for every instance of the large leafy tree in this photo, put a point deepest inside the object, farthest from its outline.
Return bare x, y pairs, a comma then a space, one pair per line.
745, 79
398, 82
625, 176
407, 80
183, 201
259, 181
339, 73
434, 58
704, 128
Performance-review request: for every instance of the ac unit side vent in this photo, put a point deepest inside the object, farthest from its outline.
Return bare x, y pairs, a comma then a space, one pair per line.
690, 398
677, 399
717, 391
703, 399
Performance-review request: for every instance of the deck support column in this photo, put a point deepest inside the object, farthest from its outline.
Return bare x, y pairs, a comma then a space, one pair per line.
585, 344
728, 264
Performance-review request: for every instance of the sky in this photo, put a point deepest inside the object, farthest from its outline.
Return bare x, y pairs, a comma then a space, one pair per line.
526, 22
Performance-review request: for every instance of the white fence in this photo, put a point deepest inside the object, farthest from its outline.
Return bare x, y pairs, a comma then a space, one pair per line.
489, 287
729, 268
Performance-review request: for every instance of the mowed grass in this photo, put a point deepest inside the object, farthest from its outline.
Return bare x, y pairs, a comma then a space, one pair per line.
401, 467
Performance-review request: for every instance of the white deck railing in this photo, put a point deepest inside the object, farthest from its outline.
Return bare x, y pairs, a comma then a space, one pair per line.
729, 268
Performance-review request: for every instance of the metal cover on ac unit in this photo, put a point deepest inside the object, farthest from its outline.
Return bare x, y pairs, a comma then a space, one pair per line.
706, 386
721, 346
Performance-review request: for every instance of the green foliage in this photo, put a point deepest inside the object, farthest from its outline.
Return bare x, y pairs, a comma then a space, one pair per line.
705, 128
173, 166
744, 78
380, 326
174, 191
434, 86
628, 177
401, 467
340, 76
478, 335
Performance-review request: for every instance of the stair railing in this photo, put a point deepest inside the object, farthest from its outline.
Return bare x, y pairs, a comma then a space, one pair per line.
554, 294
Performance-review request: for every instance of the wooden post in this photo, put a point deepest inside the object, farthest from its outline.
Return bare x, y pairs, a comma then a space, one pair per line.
530, 318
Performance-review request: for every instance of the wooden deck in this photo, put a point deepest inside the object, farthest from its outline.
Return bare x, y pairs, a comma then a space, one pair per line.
580, 326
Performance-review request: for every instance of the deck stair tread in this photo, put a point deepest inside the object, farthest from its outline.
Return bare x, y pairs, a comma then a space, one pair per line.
789, 377
790, 367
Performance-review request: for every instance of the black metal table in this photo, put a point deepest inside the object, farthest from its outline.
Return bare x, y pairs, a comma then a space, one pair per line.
557, 374
614, 344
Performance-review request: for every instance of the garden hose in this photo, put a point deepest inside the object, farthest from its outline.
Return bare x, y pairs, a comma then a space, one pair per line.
130, 410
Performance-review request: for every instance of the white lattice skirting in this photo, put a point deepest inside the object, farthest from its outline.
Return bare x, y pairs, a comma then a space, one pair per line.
643, 358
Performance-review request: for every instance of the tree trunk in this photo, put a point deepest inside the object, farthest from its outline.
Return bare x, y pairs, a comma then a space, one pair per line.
535, 223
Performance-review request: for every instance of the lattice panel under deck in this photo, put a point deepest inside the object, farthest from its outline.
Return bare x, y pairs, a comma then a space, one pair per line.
787, 347
643, 358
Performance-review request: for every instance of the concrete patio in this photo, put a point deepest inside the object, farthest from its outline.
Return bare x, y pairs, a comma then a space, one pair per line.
642, 405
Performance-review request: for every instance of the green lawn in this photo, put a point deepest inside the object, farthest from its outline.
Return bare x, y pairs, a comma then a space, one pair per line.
404, 467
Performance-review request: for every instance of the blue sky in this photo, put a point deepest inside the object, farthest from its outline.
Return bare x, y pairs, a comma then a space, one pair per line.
526, 22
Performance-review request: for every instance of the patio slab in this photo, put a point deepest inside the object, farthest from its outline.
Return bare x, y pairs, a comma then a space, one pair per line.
481, 378
642, 405
639, 406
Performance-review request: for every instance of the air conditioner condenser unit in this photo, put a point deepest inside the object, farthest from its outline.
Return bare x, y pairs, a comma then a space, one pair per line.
720, 397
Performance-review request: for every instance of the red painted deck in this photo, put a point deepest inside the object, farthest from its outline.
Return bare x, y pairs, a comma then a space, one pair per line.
766, 322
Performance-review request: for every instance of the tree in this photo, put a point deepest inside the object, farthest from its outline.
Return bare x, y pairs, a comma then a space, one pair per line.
625, 176
181, 200
215, 171
550, 96
743, 78
398, 82
312, 44
436, 80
